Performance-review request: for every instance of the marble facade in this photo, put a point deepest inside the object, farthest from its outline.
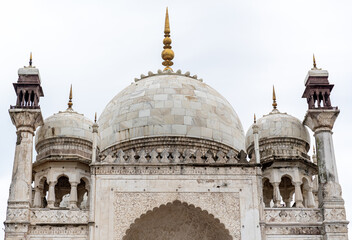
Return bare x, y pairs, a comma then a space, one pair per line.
168, 159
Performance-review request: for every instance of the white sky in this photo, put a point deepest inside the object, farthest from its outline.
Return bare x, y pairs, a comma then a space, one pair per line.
240, 48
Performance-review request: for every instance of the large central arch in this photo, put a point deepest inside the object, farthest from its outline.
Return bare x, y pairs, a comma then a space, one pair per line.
177, 221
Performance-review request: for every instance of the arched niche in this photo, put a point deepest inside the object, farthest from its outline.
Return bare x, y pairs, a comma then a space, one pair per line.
177, 221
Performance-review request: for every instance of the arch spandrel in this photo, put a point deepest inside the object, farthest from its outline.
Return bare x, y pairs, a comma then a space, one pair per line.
129, 207
176, 221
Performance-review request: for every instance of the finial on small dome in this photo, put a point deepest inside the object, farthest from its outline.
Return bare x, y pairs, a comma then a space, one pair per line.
30, 59
274, 98
95, 117
167, 54
255, 118
69, 104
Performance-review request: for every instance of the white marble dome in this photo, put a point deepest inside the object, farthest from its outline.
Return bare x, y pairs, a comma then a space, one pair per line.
278, 125
170, 104
65, 124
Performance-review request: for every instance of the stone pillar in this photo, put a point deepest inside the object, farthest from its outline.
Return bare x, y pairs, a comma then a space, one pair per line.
256, 142
26, 121
310, 198
276, 194
37, 203
73, 195
287, 202
92, 207
321, 122
51, 195
298, 195
91, 196
95, 141
20, 195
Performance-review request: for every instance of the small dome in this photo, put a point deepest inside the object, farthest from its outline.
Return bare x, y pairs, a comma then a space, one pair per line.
278, 125
65, 124
170, 104
65, 132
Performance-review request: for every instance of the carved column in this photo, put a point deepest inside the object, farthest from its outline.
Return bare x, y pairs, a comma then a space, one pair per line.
51, 195
95, 141
256, 142
321, 122
287, 202
37, 203
73, 195
310, 196
276, 194
92, 191
20, 195
298, 195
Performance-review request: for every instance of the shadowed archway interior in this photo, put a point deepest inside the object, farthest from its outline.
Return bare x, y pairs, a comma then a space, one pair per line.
177, 221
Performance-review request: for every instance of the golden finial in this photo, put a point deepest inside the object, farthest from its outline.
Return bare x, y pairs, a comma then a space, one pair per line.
314, 63
70, 100
95, 117
255, 118
274, 98
167, 54
30, 59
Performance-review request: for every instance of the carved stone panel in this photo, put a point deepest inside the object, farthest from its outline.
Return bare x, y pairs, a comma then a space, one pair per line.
129, 206
59, 217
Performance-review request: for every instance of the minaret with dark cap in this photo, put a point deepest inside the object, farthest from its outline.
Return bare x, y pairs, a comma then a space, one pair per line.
26, 116
320, 118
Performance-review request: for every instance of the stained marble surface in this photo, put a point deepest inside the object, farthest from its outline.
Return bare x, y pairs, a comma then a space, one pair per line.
170, 105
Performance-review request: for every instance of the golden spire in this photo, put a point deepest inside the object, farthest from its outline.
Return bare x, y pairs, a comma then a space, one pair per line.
70, 100
95, 117
30, 59
255, 118
274, 98
314, 63
167, 54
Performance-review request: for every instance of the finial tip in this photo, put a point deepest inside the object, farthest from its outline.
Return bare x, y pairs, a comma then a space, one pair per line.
167, 54
255, 118
69, 104
30, 59
274, 98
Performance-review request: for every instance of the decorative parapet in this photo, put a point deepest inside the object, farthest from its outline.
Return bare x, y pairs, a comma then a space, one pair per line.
292, 216
168, 72
173, 156
50, 216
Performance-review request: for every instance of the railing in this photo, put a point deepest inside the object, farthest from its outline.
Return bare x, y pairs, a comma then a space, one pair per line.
59, 216
292, 215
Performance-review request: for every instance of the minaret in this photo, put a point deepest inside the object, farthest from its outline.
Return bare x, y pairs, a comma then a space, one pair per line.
256, 140
320, 118
93, 181
26, 116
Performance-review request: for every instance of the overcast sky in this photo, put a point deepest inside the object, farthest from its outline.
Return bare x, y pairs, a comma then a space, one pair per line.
240, 48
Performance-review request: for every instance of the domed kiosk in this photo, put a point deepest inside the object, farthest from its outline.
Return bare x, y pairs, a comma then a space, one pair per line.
64, 152
283, 143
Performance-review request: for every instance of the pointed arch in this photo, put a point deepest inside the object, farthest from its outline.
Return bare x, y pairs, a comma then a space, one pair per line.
177, 220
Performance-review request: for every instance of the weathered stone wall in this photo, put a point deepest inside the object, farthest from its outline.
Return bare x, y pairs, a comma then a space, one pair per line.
229, 194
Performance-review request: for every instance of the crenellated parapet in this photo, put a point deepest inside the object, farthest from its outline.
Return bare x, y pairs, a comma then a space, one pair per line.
168, 72
173, 156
